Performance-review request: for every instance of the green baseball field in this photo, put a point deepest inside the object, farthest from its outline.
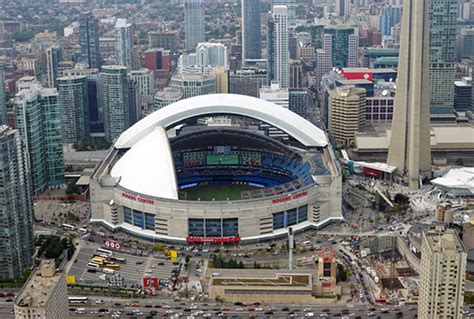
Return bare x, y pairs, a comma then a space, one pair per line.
214, 192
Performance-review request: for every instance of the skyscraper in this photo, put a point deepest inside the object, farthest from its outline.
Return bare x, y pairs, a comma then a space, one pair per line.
115, 100
38, 119
194, 23
443, 16
251, 30
3, 102
16, 207
74, 104
53, 56
146, 84
298, 103
270, 51
280, 45
345, 45
443, 264
391, 15
410, 146
124, 41
342, 8
96, 116
291, 6
89, 39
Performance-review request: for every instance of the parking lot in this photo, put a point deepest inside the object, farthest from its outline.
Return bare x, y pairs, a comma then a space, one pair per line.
133, 271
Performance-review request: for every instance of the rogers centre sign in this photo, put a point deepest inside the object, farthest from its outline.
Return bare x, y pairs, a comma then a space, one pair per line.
289, 197
138, 198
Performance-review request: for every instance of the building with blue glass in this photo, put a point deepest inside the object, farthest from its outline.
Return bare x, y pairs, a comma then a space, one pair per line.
38, 119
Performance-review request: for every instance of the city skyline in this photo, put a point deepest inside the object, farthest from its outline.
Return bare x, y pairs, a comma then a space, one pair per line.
246, 158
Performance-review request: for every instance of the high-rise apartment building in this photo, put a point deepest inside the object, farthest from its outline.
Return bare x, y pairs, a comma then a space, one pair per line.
3, 102
299, 102
89, 39
211, 54
16, 206
124, 41
194, 23
342, 8
194, 84
463, 95
44, 295
157, 59
443, 16
346, 113
146, 84
324, 58
165, 40
38, 118
114, 93
391, 15
270, 51
465, 43
345, 45
291, 6
53, 57
251, 30
96, 116
443, 268
247, 82
279, 49
74, 104
410, 149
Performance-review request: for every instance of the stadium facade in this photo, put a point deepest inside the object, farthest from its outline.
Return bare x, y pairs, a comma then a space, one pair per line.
144, 185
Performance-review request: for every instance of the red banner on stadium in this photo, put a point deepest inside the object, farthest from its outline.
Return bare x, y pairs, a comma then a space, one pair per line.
213, 240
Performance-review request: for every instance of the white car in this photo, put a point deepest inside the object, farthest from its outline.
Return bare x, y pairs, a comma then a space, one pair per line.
309, 314
99, 302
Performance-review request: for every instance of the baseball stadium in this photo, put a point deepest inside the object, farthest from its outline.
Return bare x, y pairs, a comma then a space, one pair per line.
178, 176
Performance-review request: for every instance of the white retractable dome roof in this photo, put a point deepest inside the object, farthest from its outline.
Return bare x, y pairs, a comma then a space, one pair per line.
281, 118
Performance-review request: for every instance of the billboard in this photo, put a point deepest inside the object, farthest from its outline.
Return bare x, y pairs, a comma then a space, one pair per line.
149, 283
232, 159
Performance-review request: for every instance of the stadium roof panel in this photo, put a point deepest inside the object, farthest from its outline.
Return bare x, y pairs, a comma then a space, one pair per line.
294, 125
148, 167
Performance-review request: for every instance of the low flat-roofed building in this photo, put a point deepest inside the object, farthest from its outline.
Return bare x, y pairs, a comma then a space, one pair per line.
268, 286
44, 295
450, 142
